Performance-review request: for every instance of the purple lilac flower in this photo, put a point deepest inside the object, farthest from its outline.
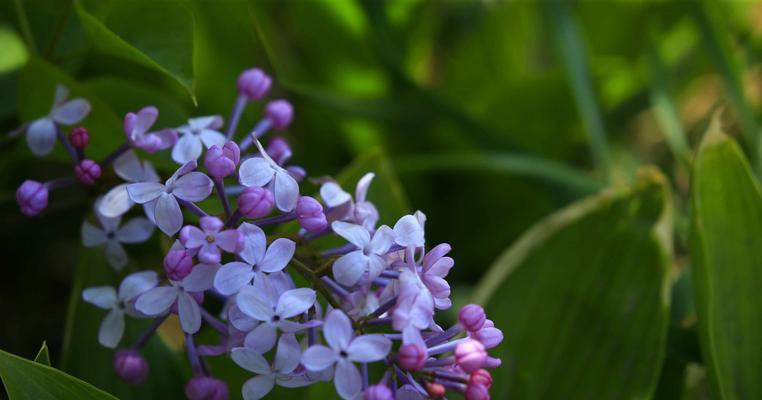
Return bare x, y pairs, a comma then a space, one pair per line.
409, 230
199, 131
119, 303
280, 113
159, 300
136, 126
253, 84
264, 172
361, 211
112, 235
87, 172
256, 202
130, 366
128, 167
32, 197
183, 184
367, 259
343, 349
281, 372
204, 387
414, 310
222, 161
435, 268
42, 132
210, 239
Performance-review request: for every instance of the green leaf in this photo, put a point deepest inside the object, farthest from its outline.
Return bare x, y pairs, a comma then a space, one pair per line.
156, 34
726, 232
583, 298
24, 379
166, 379
43, 356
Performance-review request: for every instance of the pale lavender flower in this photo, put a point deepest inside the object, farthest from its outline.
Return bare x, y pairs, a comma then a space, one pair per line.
436, 266
369, 256
264, 171
119, 303
257, 257
41, 134
136, 126
343, 349
128, 167
199, 131
409, 230
183, 184
210, 239
281, 372
414, 310
112, 235
159, 300
262, 302
360, 211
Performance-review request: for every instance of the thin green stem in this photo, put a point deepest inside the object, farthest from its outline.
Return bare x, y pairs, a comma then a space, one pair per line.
26, 31
63, 20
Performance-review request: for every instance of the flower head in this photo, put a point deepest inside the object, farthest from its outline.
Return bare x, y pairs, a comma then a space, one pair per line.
281, 372
369, 256
113, 235
253, 84
136, 126
210, 239
199, 131
41, 134
128, 167
222, 161
264, 172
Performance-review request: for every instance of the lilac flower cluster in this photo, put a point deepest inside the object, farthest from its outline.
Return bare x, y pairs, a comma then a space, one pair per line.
369, 301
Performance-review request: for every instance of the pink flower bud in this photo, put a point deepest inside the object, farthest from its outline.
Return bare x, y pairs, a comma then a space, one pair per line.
87, 172
481, 377
470, 355
477, 392
203, 387
412, 356
488, 335
310, 214
222, 161
130, 366
177, 264
79, 137
256, 202
32, 197
378, 392
280, 113
279, 150
472, 317
435, 390
253, 84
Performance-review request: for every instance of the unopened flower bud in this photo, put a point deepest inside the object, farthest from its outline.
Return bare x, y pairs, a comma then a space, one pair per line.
79, 137
378, 392
279, 150
435, 390
203, 387
130, 366
477, 392
87, 172
256, 202
253, 84
280, 113
296, 172
412, 356
488, 335
310, 214
470, 355
472, 317
177, 264
481, 377
32, 197
222, 161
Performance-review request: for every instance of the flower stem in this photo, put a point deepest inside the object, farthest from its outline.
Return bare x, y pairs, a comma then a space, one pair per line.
307, 274
235, 116
143, 339
59, 183
214, 322
220, 187
114, 155
192, 208
69, 148
233, 219
259, 129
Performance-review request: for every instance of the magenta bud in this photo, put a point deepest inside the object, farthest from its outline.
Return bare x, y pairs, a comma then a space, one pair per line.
310, 214
222, 161
476, 392
256, 202
79, 137
279, 150
435, 390
177, 264
87, 172
280, 113
253, 84
32, 197
130, 366
472, 317
203, 387
470, 355
412, 356
481, 377
378, 392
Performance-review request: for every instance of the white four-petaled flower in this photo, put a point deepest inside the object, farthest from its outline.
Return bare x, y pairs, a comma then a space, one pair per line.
112, 235
199, 131
281, 372
117, 201
41, 134
369, 256
263, 171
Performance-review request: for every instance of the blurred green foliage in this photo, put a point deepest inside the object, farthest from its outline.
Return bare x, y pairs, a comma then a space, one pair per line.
488, 116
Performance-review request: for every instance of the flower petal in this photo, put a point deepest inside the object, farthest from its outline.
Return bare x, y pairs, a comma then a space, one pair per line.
255, 171
136, 230
337, 330
193, 236
111, 329
210, 138
228, 240
116, 202
382, 240
333, 195
363, 184
156, 301
201, 278
254, 243
250, 360
241, 321
347, 379
136, 284
116, 255
294, 302
194, 186
252, 303
102, 296
71, 112
232, 277
262, 338
206, 122
186, 149
128, 167
41, 136
286, 191
355, 234
257, 387
91, 235
168, 216
143, 192
318, 357
278, 255
408, 232
348, 269
288, 354
369, 348
189, 313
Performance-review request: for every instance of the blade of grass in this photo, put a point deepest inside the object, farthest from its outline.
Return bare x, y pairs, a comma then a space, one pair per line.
571, 48
26, 31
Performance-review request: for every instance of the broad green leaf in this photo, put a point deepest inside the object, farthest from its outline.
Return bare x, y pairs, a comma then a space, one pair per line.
156, 34
583, 298
166, 379
43, 356
726, 232
13, 50
25, 379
